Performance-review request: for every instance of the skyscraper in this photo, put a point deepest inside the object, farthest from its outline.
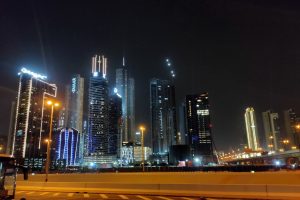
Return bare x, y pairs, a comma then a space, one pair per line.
67, 146
251, 129
198, 125
11, 133
74, 109
271, 127
163, 115
290, 122
32, 118
115, 125
125, 87
98, 119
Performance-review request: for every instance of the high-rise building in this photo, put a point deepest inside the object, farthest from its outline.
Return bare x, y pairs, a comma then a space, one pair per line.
290, 122
32, 119
125, 87
74, 109
271, 127
67, 146
98, 108
251, 129
163, 115
198, 123
115, 125
11, 133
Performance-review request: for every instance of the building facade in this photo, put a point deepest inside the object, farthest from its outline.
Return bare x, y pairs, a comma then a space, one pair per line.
125, 87
115, 125
251, 129
290, 123
272, 130
163, 115
98, 108
198, 123
32, 119
67, 146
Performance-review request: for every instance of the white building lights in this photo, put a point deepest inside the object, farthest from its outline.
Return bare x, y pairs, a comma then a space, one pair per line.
251, 129
35, 75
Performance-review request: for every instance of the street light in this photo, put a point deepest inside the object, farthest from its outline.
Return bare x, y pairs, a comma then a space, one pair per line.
142, 128
52, 104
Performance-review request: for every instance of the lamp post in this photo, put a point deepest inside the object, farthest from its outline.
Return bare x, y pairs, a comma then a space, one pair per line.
142, 128
52, 104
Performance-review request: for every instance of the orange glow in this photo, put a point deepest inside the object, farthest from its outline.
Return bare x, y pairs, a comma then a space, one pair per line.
142, 128
49, 103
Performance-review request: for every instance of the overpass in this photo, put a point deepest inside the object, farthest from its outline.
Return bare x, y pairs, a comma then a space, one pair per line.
289, 158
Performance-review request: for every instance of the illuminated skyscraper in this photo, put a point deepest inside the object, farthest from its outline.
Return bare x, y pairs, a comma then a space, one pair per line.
32, 119
115, 124
125, 87
67, 146
163, 115
98, 109
198, 124
271, 127
251, 129
290, 122
74, 109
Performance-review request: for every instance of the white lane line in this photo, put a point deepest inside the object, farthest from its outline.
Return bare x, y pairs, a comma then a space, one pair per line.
142, 197
187, 198
86, 195
19, 192
30, 192
44, 193
103, 196
123, 196
70, 194
56, 194
165, 198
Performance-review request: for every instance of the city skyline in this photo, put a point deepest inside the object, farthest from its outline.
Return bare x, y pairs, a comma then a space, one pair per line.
210, 53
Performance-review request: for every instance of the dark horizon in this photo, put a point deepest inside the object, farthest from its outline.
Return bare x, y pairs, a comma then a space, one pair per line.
242, 53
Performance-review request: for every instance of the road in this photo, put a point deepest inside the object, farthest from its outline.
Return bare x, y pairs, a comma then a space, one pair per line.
37, 195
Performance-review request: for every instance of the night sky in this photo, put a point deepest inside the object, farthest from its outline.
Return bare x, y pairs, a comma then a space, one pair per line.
241, 52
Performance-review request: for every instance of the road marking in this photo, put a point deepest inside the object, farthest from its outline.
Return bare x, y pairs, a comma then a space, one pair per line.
103, 196
56, 194
86, 195
44, 193
123, 196
165, 198
19, 192
186, 198
142, 197
70, 194
30, 192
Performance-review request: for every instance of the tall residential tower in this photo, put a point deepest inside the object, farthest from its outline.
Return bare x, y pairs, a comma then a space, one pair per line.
198, 124
32, 119
163, 115
251, 129
271, 127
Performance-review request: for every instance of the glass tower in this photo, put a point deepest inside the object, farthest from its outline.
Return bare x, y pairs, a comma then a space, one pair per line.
163, 115
125, 87
98, 108
198, 124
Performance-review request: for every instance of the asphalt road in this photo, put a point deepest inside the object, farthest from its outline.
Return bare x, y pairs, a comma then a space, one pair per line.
31, 195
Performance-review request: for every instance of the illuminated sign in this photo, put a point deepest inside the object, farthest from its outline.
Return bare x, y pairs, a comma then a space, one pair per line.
35, 75
203, 112
73, 85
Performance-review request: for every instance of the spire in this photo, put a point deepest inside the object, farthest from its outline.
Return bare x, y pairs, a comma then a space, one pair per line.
123, 61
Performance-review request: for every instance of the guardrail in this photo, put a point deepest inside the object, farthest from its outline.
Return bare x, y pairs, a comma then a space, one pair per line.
208, 190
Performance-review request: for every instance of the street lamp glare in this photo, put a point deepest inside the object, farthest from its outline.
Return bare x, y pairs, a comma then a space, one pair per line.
49, 102
56, 104
142, 128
